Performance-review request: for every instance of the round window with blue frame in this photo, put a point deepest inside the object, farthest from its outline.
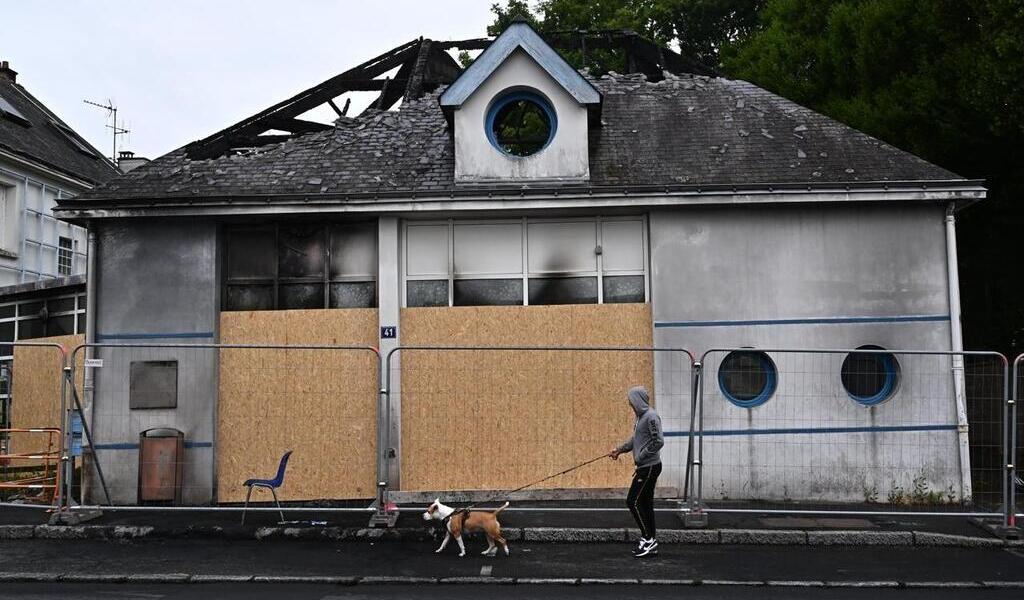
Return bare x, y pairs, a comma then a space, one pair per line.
870, 378
521, 123
747, 378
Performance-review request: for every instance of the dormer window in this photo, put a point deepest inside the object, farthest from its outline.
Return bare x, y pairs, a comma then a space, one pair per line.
521, 123
520, 114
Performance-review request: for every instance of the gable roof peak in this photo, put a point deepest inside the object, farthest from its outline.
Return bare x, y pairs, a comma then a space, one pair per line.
519, 35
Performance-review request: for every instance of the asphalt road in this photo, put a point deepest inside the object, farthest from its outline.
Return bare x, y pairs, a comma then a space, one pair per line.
21, 591
528, 560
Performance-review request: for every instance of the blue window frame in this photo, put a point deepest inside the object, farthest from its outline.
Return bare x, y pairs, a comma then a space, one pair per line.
870, 378
521, 123
747, 378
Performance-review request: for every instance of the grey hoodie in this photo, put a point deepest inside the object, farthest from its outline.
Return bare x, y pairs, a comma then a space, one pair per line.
647, 438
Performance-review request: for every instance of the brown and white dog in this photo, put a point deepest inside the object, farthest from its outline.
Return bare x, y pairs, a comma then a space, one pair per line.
457, 522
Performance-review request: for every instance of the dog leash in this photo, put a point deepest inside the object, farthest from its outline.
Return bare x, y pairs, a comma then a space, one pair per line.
533, 483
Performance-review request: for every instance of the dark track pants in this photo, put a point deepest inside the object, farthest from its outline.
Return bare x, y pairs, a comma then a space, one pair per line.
640, 499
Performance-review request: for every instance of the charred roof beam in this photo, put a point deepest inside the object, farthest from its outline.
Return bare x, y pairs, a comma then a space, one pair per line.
246, 130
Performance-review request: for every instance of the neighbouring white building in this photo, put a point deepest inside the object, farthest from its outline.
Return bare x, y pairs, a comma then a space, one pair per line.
42, 259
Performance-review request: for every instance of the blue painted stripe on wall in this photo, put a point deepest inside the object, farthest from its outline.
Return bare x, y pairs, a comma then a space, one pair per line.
131, 446
816, 430
809, 321
154, 336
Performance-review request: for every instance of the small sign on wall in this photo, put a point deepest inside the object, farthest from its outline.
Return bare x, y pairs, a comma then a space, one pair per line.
389, 332
93, 363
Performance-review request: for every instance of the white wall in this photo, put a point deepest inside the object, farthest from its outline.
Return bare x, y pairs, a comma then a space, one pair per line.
810, 277
565, 158
30, 233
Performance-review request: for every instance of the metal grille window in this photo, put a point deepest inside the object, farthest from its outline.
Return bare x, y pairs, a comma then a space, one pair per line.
65, 256
525, 261
286, 266
30, 232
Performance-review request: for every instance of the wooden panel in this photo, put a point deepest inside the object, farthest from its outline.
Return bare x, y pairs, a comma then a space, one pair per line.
479, 420
320, 403
35, 391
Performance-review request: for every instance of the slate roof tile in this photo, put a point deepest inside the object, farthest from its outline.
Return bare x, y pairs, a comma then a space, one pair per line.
45, 143
685, 129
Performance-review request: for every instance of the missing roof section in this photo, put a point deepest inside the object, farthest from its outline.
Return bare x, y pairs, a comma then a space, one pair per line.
409, 71
421, 67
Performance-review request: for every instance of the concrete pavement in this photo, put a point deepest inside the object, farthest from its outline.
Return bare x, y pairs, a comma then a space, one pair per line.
368, 562
252, 591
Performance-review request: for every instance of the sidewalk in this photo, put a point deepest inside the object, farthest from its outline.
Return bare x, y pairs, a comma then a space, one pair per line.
544, 525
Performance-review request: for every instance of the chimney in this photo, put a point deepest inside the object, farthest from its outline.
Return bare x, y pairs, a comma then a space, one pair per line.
6, 72
127, 160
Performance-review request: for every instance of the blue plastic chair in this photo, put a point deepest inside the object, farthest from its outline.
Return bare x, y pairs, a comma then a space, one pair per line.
270, 484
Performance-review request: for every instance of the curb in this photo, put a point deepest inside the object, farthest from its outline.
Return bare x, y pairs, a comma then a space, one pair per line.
185, 578
529, 534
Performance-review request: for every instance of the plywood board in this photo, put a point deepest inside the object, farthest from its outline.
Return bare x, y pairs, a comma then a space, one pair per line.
35, 391
486, 420
319, 403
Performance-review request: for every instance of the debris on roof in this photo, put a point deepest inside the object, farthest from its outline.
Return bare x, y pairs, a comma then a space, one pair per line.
653, 130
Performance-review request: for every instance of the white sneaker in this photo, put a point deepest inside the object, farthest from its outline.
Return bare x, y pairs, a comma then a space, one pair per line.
648, 548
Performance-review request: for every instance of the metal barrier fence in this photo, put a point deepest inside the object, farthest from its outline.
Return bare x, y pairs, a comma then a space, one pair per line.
1016, 435
853, 431
158, 411
479, 419
865, 431
32, 444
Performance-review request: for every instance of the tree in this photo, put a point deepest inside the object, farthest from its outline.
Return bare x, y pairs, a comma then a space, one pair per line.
943, 79
700, 28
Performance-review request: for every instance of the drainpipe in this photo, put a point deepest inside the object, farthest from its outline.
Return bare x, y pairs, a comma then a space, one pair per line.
89, 382
956, 344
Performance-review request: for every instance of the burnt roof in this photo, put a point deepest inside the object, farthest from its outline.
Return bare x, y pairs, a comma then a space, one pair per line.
688, 129
680, 129
40, 136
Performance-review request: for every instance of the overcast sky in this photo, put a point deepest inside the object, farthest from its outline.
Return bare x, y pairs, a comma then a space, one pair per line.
179, 70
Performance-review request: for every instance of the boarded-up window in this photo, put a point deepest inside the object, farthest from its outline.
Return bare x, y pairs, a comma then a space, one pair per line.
153, 384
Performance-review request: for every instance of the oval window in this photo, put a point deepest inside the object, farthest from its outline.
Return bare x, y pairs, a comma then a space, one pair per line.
521, 123
870, 378
747, 378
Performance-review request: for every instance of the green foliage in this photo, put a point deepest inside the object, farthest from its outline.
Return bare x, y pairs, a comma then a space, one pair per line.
897, 496
698, 28
521, 128
504, 15
943, 79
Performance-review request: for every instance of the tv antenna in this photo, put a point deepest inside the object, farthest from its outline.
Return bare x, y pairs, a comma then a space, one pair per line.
116, 129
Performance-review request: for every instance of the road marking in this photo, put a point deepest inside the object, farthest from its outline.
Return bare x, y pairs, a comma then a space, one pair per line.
485, 571
1016, 553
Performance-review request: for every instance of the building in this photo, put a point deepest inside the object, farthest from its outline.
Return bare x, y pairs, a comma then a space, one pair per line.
42, 259
520, 202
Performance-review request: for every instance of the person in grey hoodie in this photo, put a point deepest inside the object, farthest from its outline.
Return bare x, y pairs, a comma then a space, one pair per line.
646, 445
